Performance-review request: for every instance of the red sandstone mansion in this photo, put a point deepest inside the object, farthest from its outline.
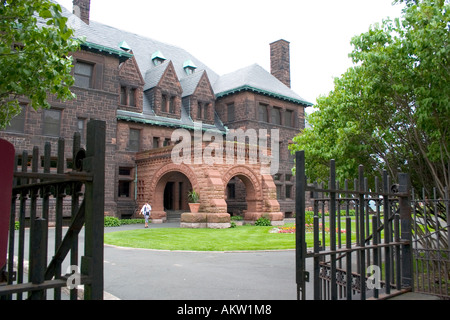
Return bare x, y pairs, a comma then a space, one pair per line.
145, 90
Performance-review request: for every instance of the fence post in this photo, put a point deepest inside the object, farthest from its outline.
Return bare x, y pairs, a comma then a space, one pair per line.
300, 246
406, 235
92, 262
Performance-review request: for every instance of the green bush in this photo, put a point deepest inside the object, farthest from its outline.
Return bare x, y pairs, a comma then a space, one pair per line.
112, 222
236, 218
115, 222
263, 222
131, 221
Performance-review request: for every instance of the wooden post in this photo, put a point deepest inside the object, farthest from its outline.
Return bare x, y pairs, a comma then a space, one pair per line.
92, 262
300, 246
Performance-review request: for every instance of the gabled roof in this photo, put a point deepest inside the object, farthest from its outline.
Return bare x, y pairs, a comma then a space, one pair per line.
255, 78
153, 76
190, 83
124, 44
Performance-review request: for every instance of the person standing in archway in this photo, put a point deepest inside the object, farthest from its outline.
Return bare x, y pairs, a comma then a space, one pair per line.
146, 211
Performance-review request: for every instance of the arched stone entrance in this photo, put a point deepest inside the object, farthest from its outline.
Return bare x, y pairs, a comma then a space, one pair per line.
166, 187
164, 182
259, 194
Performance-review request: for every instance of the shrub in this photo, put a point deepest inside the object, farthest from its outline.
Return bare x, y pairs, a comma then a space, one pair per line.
236, 218
131, 221
263, 222
112, 222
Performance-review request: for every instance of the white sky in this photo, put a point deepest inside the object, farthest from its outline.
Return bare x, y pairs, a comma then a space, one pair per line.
232, 34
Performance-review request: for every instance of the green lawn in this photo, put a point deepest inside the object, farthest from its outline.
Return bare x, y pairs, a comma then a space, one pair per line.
245, 237
231, 239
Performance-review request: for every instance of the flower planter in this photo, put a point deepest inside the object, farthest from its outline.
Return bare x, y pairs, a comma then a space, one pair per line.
194, 207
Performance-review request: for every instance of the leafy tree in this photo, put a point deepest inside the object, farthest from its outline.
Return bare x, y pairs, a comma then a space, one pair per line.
35, 42
391, 110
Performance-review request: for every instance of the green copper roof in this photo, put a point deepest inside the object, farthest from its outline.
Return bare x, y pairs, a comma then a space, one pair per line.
100, 48
158, 55
189, 64
124, 46
264, 92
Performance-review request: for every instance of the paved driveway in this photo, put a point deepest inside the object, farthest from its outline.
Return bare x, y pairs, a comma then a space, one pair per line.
173, 275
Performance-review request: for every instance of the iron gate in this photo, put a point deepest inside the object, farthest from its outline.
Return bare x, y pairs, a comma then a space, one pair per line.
39, 189
362, 256
431, 242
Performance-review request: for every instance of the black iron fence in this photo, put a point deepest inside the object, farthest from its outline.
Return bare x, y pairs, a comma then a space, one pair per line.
362, 256
431, 243
34, 192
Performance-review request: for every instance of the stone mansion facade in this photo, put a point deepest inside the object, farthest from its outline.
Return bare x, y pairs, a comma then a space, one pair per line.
145, 90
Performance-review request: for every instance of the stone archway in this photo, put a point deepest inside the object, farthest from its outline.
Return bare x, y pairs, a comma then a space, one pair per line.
183, 179
156, 169
252, 185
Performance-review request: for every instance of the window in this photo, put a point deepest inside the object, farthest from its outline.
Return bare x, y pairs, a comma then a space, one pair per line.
278, 191
289, 118
17, 124
134, 142
132, 97
276, 115
155, 142
199, 111
123, 95
263, 113
164, 103
230, 112
52, 122
128, 96
202, 111
288, 191
166, 142
124, 189
80, 127
172, 105
83, 74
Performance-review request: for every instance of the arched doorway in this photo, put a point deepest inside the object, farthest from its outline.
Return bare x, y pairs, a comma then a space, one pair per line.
236, 197
243, 192
171, 194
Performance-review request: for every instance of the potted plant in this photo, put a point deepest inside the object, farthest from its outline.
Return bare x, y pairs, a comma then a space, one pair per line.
193, 199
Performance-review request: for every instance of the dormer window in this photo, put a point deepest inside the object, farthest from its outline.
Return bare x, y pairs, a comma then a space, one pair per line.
158, 58
189, 67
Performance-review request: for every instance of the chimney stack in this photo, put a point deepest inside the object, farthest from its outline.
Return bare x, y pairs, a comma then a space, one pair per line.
82, 8
280, 65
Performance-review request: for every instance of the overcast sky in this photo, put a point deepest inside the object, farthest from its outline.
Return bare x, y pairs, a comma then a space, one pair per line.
229, 35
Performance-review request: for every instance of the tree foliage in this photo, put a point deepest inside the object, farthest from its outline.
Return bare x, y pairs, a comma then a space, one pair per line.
391, 110
35, 43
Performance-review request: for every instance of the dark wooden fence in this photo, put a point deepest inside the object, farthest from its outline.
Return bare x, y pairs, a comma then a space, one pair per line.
33, 193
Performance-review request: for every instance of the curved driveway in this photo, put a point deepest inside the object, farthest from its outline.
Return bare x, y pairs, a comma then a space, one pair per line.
175, 275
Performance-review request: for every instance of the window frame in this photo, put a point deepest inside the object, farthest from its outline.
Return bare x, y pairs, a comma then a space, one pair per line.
263, 115
77, 75
132, 142
46, 131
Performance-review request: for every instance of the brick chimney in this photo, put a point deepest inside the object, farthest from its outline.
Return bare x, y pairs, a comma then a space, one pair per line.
280, 64
81, 9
